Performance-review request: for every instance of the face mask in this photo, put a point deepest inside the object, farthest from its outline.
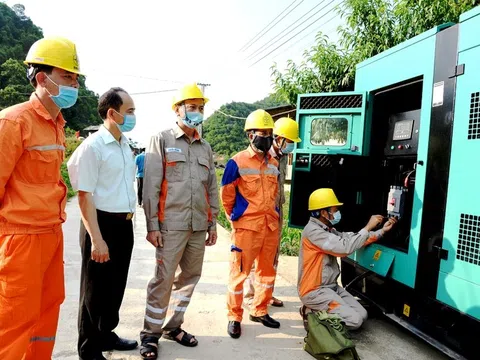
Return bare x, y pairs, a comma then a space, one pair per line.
129, 121
289, 148
193, 119
67, 96
337, 216
263, 143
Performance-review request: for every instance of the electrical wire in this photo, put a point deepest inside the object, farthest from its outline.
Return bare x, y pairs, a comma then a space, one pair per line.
92, 96
310, 33
250, 43
243, 118
256, 62
271, 42
275, 39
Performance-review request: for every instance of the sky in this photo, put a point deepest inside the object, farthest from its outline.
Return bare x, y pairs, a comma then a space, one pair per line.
154, 45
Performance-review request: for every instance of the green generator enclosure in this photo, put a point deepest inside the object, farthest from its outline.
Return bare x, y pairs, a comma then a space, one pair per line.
401, 145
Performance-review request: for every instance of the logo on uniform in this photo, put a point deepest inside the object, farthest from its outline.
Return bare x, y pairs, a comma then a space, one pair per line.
177, 150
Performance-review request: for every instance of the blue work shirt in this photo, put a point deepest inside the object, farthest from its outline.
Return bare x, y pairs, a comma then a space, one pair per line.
139, 162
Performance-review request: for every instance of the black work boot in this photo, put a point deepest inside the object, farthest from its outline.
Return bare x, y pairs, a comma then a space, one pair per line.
234, 329
266, 320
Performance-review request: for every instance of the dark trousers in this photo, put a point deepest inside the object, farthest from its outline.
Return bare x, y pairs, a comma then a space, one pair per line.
139, 190
102, 285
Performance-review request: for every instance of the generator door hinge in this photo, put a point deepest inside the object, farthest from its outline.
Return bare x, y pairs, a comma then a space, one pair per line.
457, 71
441, 253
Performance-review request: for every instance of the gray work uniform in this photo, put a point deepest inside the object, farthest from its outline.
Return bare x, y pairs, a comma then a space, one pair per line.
180, 196
318, 270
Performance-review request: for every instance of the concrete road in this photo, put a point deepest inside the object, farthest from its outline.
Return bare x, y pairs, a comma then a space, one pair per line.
206, 315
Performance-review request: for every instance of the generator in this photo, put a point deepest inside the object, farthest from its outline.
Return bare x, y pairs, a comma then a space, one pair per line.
400, 145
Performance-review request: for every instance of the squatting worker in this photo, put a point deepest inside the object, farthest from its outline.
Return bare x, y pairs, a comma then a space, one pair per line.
102, 169
32, 203
180, 199
320, 247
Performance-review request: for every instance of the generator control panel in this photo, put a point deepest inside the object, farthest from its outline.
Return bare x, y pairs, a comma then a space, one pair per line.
402, 137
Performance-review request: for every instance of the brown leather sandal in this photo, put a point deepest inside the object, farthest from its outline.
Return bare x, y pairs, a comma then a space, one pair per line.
186, 338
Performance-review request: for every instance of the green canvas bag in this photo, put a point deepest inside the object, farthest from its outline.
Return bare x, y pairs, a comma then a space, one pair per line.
327, 338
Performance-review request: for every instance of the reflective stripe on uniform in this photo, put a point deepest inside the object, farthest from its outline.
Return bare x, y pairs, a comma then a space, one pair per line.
235, 292
47, 147
266, 286
154, 321
156, 310
181, 297
180, 308
248, 171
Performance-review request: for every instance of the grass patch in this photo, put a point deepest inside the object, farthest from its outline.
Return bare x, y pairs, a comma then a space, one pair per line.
290, 244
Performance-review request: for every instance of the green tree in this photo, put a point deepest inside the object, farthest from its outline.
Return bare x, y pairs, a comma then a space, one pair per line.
371, 27
17, 34
14, 86
225, 133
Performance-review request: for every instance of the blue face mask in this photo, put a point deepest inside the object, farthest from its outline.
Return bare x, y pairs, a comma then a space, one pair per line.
337, 216
67, 96
129, 121
289, 148
193, 119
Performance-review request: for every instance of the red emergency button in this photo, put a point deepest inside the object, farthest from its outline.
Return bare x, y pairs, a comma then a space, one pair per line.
400, 147
392, 202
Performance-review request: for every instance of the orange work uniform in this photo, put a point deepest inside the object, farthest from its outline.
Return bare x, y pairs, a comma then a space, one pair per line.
249, 191
32, 209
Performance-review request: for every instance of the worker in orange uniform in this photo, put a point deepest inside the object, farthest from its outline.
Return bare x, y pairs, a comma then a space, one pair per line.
321, 245
249, 192
32, 203
285, 135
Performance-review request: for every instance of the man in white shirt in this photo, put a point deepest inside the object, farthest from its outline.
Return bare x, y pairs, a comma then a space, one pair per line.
102, 170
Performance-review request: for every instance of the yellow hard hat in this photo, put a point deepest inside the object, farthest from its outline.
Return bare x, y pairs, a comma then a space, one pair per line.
54, 51
286, 128
190, 91
322, 198
259, 119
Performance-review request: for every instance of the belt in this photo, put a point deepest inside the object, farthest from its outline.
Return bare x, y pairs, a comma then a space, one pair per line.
124, 216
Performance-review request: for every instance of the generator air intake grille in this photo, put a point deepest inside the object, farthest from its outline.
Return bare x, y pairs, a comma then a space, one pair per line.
469, 239
474, 123
322, 161
331, 102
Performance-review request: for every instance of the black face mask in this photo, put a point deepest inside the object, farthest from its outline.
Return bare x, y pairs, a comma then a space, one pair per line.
263, 143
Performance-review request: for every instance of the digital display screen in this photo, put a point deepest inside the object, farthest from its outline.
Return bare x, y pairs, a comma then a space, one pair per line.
403, 130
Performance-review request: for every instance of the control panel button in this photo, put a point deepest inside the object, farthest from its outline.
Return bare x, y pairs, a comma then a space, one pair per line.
400, 147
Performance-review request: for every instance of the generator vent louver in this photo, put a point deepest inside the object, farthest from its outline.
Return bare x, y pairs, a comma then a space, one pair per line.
322, 161
331, 102
469, 239
474, 123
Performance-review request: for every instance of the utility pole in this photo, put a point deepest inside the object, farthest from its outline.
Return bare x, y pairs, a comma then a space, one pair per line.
202, 87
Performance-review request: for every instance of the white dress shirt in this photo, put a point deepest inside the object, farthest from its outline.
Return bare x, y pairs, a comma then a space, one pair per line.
105, 167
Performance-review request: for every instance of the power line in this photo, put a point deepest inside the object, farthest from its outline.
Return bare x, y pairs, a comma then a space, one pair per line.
136, 76
153, 92
294, 35
242, 118
253, 41
92, 96
310, 33
270, 43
